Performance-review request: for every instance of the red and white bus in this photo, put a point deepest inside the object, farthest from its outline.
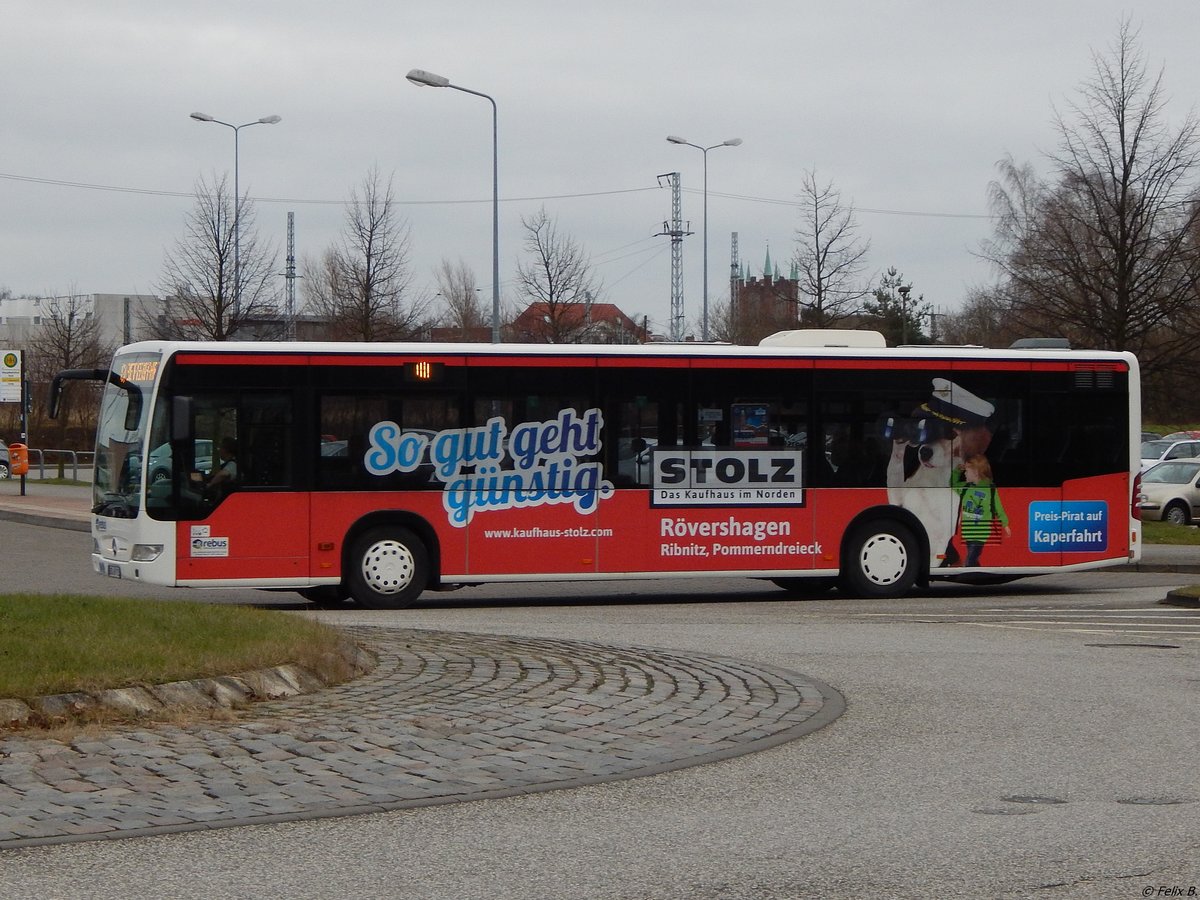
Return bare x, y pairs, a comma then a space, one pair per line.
378, 471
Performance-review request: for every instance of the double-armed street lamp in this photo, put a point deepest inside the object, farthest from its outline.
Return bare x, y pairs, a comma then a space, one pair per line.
732, 142
428, 79
237, 199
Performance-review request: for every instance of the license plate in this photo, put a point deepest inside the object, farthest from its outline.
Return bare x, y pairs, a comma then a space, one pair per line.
114, 571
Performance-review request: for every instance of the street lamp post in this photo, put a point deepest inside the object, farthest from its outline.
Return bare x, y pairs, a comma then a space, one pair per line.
428, 79
732, 142
237, 198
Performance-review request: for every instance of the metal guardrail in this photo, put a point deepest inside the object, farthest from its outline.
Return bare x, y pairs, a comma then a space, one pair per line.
65, 459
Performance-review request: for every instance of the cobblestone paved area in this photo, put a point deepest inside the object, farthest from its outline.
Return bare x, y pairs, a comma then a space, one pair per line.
445, 717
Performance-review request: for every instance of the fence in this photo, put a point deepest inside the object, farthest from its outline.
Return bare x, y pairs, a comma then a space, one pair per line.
66, 459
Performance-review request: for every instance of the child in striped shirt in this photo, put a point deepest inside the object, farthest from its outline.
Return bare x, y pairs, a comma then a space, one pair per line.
981, 508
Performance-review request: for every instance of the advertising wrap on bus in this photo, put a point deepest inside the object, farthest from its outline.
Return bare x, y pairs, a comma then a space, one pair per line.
538, 464
376, 472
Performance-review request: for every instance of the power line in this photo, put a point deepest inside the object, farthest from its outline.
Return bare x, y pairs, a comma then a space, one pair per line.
746, 198
58, 182
866, 209
658, 251
94, 187
599, 258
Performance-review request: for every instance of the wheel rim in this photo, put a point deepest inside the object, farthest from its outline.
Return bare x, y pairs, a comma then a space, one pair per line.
388, 567
1175, 516
884, 559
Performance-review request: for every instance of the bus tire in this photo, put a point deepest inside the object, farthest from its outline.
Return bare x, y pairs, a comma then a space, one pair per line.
326, 596
984, 579
881, 559
389, 568
805, 587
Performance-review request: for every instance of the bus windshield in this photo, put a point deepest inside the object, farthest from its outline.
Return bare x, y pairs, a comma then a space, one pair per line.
120, 435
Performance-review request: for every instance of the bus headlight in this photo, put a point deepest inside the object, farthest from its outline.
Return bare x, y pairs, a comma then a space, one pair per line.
146, 552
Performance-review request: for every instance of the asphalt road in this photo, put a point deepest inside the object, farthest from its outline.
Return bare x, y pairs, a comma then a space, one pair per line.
1037, 740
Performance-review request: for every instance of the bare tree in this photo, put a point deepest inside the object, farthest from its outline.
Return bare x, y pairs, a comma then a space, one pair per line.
747, 322
463, 309
557, 282
218, 278
1102, 253
722, 325
68, 337
362, 284
986, 318
830, 256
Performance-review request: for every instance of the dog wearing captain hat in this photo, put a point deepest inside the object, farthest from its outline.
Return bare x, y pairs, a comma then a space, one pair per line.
951, 424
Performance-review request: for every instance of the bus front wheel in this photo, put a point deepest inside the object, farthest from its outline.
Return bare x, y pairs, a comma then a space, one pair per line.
389, 568
326, 596
881, 560
805, 587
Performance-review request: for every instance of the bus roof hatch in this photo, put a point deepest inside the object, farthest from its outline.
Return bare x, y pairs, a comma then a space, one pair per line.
824, 337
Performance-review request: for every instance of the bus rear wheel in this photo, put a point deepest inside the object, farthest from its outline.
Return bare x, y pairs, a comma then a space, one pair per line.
881, 560
389, 568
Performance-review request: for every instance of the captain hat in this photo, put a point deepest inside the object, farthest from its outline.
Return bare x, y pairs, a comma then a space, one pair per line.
956, 405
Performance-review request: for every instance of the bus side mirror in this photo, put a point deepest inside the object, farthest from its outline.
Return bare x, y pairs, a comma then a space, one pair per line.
56, 389
133, 409
60, 380
181, 418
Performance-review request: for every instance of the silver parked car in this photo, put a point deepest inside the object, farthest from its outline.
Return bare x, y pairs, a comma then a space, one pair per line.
5, 466
160, 462
1171, 492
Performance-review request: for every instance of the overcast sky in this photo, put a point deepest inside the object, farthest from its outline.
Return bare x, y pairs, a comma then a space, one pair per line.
904, 106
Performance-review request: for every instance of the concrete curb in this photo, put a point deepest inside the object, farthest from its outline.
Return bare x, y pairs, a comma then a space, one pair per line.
45, 520
202, 694
1179, 598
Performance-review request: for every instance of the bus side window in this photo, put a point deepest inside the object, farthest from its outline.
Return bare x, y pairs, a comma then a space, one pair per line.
633, 432
718, 432
345, 423
852, 458
263, 433
266, 458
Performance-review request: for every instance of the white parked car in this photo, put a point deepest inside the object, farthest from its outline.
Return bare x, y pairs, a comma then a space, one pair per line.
1160, 451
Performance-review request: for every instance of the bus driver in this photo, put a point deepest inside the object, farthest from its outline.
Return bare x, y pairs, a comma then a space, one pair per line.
224, 477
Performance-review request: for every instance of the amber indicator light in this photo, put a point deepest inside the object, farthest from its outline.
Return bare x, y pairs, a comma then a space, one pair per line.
424, 370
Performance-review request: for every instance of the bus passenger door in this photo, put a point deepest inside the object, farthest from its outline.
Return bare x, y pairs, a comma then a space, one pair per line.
257, 521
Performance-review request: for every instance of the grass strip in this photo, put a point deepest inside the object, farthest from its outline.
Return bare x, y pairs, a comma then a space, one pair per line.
53, 644
1166, 533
